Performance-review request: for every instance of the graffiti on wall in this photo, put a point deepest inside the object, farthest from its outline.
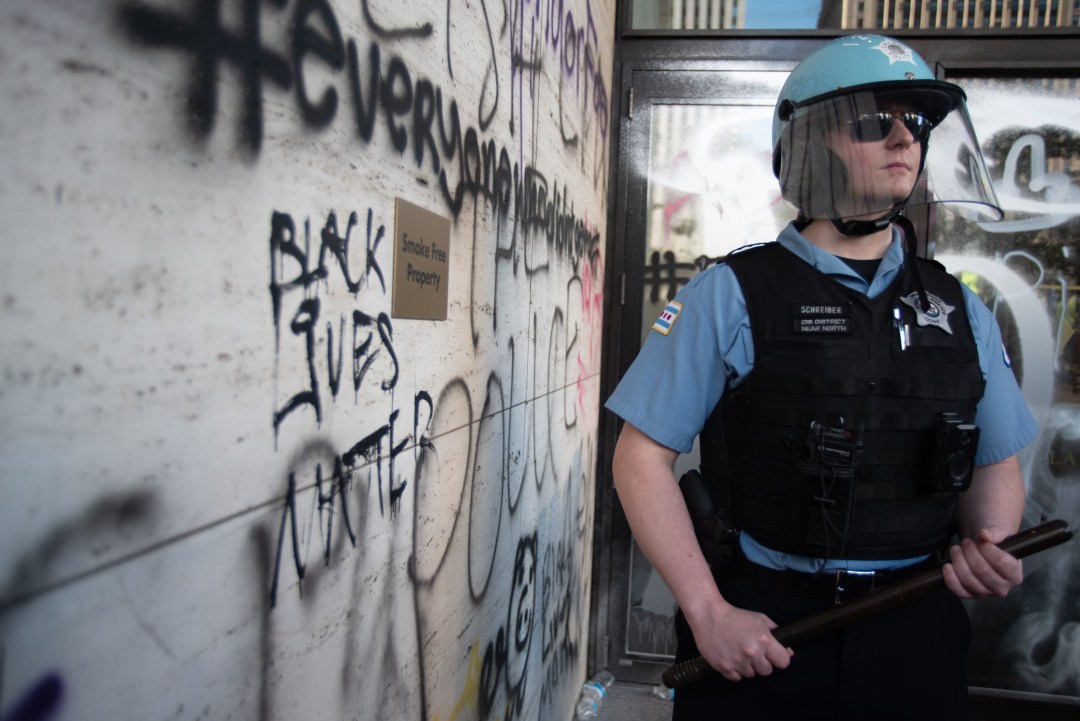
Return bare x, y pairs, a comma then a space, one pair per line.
415, 113
526, 657
430, 531
396, 463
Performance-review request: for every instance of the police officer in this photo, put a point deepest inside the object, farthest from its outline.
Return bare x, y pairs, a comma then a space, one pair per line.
855, 407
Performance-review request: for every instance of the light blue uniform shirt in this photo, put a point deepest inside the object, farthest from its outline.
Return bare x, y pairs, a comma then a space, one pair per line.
677, 379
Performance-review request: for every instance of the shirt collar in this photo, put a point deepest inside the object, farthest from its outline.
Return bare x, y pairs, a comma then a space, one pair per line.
891, 263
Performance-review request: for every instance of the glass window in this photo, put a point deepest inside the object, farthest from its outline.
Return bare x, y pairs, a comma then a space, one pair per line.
852, 14
1027, 269
711, 190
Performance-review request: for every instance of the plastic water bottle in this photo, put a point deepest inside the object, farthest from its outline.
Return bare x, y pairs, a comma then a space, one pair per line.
592, 695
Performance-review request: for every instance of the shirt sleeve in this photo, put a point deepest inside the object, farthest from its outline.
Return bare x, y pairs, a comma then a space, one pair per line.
1005, 422
679, 376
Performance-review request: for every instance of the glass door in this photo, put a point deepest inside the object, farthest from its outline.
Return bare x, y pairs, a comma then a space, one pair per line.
699, 184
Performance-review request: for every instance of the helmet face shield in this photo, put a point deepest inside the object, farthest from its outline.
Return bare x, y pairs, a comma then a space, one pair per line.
865, 153
956, 174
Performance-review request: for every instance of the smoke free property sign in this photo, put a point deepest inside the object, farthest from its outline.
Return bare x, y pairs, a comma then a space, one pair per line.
421, 263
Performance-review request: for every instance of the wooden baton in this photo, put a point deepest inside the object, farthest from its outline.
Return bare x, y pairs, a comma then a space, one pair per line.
1039, 538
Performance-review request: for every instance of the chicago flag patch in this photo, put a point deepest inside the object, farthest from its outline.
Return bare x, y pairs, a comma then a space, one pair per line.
667, 318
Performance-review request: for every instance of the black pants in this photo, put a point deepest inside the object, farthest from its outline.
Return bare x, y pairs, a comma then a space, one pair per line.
905, 664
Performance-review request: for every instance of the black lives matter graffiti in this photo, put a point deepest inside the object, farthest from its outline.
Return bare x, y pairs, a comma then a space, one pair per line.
360, 354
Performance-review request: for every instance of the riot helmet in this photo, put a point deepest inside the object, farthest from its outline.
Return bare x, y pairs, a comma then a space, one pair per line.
864, 89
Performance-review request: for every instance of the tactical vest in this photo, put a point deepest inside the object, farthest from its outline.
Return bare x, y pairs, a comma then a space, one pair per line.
829, 442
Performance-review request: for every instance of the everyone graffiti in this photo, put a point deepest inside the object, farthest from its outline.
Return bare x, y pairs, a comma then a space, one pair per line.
411, 107
210, 45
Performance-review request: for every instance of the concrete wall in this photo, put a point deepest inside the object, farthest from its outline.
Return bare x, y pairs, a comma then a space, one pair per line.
232, 484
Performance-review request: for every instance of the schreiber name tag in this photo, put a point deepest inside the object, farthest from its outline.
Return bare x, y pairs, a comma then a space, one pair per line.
821, 318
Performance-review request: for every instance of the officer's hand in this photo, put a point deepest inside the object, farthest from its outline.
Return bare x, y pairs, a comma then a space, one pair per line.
739, 643
978, 568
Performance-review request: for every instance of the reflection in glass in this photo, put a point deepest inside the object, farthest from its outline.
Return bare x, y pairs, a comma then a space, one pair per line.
1027, 269
711, 190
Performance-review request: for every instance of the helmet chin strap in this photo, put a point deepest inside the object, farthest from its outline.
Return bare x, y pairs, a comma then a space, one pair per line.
907, 231
857, 228
853, 228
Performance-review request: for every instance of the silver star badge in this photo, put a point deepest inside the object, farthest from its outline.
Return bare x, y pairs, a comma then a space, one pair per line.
937, 315
895, 52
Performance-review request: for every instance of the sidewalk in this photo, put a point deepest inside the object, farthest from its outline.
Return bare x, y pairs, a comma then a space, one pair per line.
633, 702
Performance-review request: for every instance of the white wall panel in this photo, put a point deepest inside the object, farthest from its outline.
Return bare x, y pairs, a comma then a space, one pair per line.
180, 221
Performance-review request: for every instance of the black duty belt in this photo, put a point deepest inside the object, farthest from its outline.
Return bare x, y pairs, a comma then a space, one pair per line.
840, 586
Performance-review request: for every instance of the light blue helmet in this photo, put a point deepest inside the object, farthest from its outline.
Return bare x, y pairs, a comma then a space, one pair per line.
865, 62
850, 82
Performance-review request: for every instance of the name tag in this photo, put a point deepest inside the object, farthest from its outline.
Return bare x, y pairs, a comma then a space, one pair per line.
821, 318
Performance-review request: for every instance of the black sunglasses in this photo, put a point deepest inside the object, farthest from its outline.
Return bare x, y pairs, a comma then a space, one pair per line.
871, 127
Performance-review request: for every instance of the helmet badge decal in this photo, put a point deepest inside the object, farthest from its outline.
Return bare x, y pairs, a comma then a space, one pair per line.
937, 315
894, 51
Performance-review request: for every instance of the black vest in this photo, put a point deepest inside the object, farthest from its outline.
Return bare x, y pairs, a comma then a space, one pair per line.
830, 440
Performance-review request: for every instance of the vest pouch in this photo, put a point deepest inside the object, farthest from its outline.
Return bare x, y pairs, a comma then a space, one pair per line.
828, 470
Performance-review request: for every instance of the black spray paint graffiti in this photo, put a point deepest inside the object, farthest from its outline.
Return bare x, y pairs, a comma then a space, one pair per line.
513, 456
414, 110
659, 274
563, 592
545, 600
378, 92
212, 46
371, 336
376, 456
130, 512
544, 593
316, 35
42, 702
506, 658
32, 571
530, 656
574, 45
